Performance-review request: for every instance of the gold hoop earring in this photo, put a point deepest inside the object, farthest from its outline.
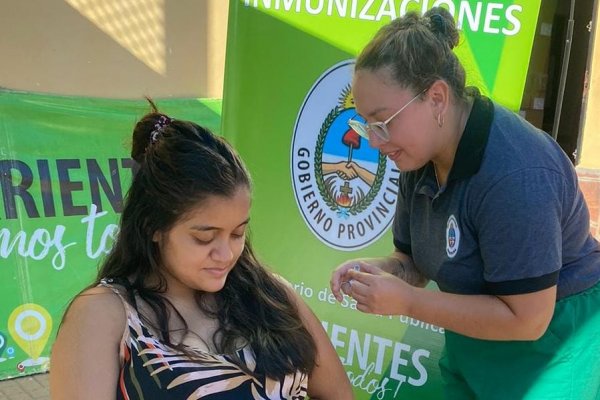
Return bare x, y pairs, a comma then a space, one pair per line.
440, 120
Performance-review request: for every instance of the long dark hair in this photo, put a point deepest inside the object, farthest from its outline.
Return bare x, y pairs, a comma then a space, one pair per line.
180, 164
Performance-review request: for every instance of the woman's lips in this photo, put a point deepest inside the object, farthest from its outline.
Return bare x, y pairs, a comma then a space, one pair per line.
394, 155
217, 272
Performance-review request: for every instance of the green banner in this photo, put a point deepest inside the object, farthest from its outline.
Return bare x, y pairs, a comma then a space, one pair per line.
286, 104
64, 169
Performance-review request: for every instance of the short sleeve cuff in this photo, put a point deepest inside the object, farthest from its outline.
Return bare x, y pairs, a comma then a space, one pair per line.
522, 286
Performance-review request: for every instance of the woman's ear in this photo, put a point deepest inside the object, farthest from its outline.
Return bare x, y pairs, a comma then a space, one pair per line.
157, 236
439, 94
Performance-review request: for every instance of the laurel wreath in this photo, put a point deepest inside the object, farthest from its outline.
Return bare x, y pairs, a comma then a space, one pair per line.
325, 188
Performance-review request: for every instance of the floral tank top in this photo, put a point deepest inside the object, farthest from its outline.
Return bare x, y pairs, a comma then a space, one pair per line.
151, 370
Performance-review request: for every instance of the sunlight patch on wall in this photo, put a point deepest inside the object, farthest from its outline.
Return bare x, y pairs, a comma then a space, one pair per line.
136, 25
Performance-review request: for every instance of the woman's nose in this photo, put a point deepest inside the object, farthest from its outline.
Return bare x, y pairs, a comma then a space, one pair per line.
375, 141
222, 251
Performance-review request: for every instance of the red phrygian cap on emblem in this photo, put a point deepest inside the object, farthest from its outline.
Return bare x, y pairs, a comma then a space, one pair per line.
351, 139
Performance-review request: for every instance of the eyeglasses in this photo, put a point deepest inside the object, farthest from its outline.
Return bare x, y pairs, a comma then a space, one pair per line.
379, 128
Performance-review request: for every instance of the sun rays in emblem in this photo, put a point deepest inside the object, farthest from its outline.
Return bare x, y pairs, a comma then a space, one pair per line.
346, 100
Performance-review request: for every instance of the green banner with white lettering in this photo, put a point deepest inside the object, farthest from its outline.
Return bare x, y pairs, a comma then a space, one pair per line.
286, 104
64, 170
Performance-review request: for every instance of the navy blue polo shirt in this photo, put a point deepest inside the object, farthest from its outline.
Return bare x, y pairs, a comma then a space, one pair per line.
511, 218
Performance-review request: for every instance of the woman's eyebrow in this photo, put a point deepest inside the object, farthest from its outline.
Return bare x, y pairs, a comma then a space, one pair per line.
375, 111
204, 228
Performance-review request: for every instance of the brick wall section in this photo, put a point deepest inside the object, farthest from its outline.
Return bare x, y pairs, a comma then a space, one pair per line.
589, 181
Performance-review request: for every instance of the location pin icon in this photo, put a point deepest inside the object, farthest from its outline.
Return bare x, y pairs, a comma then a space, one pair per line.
30, 326
2, 343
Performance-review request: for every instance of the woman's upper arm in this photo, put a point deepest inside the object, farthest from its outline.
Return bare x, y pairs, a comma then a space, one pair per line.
533, 310
85, 361
328, 380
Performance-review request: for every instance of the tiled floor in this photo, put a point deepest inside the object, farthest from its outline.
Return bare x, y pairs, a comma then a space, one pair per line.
27, 388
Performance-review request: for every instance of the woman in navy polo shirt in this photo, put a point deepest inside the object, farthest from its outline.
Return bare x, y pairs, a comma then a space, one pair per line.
489, 208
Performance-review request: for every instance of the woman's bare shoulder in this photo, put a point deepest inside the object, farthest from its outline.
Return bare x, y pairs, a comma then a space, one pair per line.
88, 338
99, 306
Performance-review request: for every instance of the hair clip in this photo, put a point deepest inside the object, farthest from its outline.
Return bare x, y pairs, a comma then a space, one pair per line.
163, 121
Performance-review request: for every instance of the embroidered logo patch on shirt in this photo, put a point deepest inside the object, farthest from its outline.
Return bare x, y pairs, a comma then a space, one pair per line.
452, 237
